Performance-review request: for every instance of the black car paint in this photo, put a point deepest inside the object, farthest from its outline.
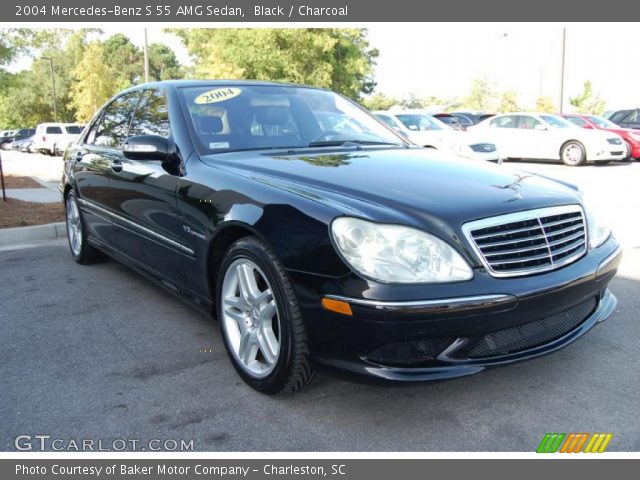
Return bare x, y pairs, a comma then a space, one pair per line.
173, 221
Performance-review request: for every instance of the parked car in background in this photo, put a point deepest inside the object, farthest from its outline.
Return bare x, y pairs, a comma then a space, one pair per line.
545, 136
353, 253
626, 118
427, 131
631, 137
451, 120
468, 119
6, 137
22, 145
54, 138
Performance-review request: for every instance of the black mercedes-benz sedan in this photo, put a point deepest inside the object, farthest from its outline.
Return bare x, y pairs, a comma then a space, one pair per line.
322, 240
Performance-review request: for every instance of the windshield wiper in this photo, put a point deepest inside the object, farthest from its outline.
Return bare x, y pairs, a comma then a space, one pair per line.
343, 143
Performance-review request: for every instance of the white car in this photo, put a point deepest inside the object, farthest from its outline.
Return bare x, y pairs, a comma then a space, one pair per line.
547, 136
427, 131
54, 138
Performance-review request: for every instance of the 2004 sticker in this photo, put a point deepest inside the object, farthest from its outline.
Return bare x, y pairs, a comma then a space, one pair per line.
217, 95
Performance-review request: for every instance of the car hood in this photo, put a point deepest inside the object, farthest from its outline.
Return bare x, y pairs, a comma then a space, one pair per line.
413, 186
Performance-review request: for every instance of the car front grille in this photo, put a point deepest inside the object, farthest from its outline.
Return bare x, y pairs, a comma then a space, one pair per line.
409, 353
614, 141
529, 242
483, 147
529, 335
617, 152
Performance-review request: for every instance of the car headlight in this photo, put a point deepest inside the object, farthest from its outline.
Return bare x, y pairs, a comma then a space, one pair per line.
397, 254
598, 231
635, 136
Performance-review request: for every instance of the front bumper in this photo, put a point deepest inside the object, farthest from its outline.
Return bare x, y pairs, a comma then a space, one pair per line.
503, 322
607, 152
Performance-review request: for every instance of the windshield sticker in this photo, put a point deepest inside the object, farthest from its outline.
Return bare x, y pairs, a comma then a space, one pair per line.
217, 95
214, 145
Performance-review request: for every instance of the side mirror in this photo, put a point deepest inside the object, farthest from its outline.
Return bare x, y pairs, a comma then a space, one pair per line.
540, 127
588, 126
146, 147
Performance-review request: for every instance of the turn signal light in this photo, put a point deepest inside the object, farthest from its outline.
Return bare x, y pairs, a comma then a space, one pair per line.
337, 306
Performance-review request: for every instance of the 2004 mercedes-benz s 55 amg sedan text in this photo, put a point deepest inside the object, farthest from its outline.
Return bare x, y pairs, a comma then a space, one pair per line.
322, 240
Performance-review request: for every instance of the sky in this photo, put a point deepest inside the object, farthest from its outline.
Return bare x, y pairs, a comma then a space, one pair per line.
441, 59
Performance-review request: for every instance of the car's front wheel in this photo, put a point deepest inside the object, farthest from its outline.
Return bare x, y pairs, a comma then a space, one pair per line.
81, 251
260, 319
629, 157
573, 153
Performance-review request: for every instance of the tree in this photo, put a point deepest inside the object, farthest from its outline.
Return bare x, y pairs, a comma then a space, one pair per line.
545, 104
481, 97
125, 60
412, 101
508, 102
588, 101
95, 83
336, 58
379, 101
163, 64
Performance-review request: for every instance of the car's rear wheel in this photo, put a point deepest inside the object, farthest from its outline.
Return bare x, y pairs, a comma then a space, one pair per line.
81, 251
573, 153
261, 323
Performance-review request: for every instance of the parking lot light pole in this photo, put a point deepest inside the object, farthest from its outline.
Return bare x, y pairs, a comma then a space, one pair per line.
53, 88
146, 58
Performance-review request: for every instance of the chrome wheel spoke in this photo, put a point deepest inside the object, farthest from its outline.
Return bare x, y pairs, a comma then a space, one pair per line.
237, 315
268, 344
263, 297
247, 283
247, 350
268, 311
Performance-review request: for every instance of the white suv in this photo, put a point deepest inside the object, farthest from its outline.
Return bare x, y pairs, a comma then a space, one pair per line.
54, 138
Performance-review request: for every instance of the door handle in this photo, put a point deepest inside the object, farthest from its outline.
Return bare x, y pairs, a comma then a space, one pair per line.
116, 166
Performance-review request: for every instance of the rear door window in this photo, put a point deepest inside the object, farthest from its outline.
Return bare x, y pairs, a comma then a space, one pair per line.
54, 131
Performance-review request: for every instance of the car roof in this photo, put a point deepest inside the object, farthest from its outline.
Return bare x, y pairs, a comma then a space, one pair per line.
221, 83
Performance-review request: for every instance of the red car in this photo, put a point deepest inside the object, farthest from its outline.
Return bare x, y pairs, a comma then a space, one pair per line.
631, 137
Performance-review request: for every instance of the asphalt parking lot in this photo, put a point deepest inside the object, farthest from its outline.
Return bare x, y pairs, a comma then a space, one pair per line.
98, 352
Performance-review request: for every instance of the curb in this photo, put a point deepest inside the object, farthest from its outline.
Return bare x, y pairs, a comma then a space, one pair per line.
19, 235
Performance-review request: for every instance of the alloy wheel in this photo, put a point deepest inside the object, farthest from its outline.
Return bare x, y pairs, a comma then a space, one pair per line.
74, 226
250, 318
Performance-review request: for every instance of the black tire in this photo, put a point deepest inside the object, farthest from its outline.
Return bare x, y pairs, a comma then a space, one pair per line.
291, 370
628, 158
573, 153
84, 254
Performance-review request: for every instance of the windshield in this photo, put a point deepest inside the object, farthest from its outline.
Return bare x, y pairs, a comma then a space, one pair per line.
557, 122
602, 122
249, 117
420, 122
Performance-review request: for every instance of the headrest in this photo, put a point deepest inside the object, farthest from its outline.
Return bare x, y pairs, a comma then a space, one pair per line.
208, 124
272, 115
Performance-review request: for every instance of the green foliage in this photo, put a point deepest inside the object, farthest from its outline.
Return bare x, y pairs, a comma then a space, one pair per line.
94, 83
481, 97
588, 101
339, 59
86, 74
545, 104
379, 101
163, 64
124, 59
508, 102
